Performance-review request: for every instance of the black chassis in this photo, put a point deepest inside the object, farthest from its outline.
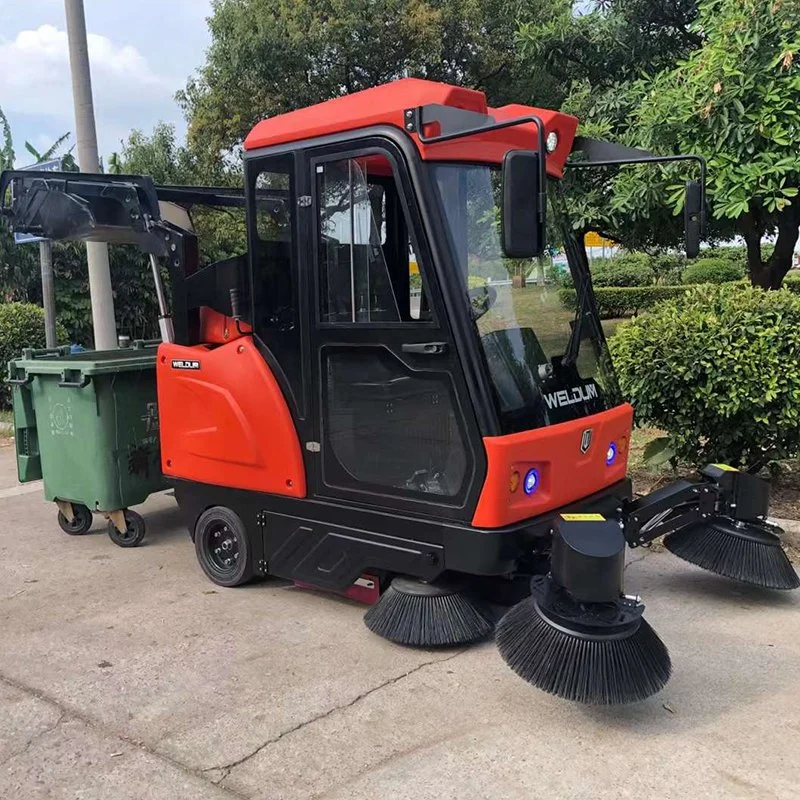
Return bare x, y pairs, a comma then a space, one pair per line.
329, 545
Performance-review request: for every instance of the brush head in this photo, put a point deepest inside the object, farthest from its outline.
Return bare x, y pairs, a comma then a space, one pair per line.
420, 614
601, 654
746, 551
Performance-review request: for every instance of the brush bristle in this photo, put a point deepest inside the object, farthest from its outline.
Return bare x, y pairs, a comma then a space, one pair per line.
430, 620
595, 671
738, 557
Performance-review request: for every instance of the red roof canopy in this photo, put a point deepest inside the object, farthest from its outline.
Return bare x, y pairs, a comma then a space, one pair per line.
386, 104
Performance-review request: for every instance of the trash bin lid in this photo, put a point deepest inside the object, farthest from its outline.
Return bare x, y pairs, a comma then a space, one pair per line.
141, 355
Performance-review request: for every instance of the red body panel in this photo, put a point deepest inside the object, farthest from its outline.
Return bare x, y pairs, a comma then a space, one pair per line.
566, 474
386, 105
227, 422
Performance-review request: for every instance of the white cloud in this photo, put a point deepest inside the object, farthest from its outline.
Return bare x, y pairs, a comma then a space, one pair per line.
35, 78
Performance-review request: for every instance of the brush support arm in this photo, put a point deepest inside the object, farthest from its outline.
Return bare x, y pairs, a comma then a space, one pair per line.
721, 492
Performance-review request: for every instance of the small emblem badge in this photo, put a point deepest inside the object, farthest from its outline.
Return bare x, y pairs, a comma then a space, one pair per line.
586, 440
183, 363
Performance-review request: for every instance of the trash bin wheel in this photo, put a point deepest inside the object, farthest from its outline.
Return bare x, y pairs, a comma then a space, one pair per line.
81, 520
133, 534
222, 547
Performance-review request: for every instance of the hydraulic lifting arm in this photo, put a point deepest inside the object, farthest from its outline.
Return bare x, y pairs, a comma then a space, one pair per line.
721, 492
118, 209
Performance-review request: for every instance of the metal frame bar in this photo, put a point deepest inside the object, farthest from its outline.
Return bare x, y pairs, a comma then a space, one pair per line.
628, 156
418, 122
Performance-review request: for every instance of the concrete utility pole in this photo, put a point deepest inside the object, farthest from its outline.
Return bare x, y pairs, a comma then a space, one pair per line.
103, 321
48, 293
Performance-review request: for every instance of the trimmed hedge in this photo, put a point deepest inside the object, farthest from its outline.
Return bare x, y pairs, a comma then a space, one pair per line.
622, 271
623, 301
719, 371
714, 270
21, 326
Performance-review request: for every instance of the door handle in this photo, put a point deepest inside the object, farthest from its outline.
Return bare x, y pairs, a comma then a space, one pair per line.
425, 348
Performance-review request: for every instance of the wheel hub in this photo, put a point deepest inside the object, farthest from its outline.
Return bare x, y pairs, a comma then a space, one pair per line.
224, 549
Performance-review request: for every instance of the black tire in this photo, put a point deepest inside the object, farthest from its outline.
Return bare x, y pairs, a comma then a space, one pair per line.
222, 547
81, 520
134, 533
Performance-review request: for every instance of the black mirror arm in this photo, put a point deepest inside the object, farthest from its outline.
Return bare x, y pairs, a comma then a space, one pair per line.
600, 153
415, 124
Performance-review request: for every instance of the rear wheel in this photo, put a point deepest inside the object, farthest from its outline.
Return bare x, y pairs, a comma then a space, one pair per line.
132, 535
81, 520
224, 553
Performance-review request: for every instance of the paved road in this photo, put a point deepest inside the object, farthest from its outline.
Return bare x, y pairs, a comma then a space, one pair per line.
126, 674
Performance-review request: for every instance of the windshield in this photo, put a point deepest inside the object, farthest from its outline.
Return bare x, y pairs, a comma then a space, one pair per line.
546, 356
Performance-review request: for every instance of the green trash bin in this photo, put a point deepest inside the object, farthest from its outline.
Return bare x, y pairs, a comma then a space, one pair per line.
87, 423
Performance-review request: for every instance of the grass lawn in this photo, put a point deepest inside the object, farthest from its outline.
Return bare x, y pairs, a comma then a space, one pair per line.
538, 307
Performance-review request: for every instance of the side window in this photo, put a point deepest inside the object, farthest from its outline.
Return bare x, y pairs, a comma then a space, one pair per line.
273, 240
368, 270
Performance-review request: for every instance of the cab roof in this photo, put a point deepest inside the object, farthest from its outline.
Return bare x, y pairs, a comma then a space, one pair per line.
387, 105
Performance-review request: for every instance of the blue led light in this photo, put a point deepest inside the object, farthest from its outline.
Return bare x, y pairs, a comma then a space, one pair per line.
531, 482
611, 454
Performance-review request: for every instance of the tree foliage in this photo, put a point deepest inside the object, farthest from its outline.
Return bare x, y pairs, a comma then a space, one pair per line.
602, 57
734, 101
272, 56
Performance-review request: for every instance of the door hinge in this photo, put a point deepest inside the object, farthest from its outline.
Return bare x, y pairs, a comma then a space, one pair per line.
304, 201
313, 447
261, 519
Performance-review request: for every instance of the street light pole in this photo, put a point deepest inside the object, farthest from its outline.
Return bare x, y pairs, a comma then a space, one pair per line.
103, 321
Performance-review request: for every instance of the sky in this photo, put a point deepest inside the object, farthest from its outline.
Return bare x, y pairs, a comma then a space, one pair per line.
141, 53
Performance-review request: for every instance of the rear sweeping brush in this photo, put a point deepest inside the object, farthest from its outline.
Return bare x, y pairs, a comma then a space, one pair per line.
745, 551
429, 615
577, 636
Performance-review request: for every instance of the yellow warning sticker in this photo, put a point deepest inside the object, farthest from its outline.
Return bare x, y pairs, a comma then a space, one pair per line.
725, 467
583, 518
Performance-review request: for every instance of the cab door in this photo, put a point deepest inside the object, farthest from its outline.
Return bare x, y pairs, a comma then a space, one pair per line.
392, 426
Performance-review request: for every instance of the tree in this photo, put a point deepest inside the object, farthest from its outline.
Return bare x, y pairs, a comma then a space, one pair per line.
158, 155
271, 56
734, 100
7, 147
67, 159
603, 56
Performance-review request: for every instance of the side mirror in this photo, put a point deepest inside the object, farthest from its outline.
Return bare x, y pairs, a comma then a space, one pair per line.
523, 212
693, 217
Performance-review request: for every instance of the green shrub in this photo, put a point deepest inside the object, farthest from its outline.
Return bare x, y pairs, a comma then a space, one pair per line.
623, 301
714, 270
719, 371
737, 255
622, 271
730, 254
21, 326
668, 267
792, 282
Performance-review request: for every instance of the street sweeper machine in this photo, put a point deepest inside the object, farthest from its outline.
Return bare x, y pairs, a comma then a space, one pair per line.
365, 400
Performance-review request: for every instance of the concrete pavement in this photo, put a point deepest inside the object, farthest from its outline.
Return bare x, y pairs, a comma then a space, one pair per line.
126, 674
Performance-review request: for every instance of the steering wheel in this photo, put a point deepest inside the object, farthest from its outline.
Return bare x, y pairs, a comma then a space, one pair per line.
481, 299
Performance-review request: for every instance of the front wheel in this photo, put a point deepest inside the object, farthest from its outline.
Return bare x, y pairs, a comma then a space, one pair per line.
81, 520
222, 548
132, 535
